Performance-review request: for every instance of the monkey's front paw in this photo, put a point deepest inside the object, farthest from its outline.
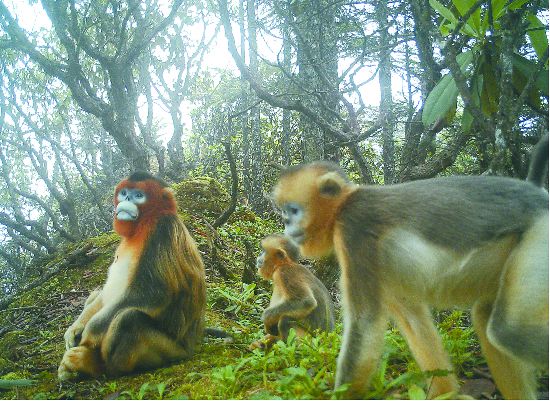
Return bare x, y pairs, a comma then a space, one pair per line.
79, 361
67, 368
265, 343
64, 374
259, 344
73, 335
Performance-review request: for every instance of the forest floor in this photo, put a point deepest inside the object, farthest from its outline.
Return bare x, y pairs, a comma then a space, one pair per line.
33, 323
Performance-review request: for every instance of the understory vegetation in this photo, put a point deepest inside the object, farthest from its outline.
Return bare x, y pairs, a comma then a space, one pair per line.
32, 327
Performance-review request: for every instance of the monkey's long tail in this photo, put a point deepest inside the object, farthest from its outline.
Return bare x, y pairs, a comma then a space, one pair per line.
539, 162
217, 333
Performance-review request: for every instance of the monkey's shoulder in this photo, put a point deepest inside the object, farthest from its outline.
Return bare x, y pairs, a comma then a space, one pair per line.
294, 277
170, 224
297, 279
298, 271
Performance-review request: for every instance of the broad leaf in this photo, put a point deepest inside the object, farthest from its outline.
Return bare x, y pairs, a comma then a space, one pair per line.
519, 80
443, 96
467, 118
499, 8
537, 35
440, 100
463, 6
517, 4
8, 384
528, 68
464, 59
490, 92
443, 11
416, 393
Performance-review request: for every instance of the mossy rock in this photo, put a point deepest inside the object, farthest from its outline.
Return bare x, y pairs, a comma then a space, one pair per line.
243, 214
202, 196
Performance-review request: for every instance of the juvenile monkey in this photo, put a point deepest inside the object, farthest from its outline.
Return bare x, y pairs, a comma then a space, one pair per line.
299, 300
478, 242
150, 310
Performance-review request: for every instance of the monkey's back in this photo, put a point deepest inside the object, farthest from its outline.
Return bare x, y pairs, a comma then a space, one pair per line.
462, 211
322, 317
173, 274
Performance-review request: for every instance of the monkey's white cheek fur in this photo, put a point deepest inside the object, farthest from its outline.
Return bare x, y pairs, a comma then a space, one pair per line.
126, 211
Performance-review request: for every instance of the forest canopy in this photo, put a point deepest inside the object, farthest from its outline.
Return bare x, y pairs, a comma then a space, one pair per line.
392, 90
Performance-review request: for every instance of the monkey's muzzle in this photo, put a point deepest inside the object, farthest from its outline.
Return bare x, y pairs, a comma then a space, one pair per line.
126, 211
296, 235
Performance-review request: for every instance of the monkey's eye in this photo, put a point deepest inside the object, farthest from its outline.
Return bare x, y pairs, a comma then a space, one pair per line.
292, 209
123, 192
139, 195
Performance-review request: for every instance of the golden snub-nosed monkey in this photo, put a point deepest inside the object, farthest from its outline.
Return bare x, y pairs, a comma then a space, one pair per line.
477, 242
150, 310
300, 300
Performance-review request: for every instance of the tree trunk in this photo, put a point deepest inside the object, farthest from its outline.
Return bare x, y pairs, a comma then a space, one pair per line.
386, 102
257, 200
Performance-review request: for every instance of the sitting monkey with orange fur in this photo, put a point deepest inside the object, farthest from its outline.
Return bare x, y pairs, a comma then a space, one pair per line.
479, 242
299, 301
150, 310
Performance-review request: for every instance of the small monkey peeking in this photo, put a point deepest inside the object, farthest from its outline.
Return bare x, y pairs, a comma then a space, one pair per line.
299, 301
150, 311
473, 242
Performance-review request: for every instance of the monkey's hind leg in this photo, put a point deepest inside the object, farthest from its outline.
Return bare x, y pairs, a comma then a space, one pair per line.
286, 323
519, 321
515, 329
416, 324
362, 346
133, 342
515, 379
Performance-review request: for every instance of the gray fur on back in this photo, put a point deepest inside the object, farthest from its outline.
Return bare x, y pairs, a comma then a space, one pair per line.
456, 212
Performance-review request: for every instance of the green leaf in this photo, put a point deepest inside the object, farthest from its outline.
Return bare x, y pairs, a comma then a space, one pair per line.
416, 393
445, 29
489, 90
142, 390
7, 384
499, 8
528, 68
443, 11
537, 35
517, 4
440, 100
467, 120
474, 22
464, 59
161, 388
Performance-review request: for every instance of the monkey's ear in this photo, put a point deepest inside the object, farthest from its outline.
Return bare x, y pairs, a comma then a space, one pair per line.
280, 254
330, 184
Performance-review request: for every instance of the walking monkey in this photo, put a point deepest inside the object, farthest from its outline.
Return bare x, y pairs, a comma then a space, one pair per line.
150, 310
299, 300
479, 242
